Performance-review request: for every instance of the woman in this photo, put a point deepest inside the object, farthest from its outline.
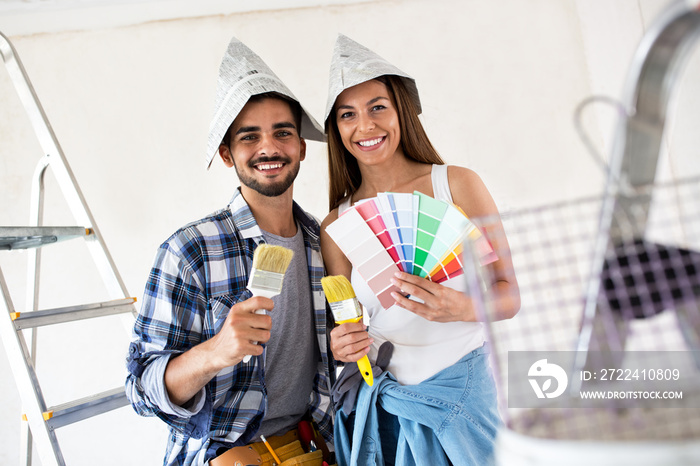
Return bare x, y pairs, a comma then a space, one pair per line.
376, 144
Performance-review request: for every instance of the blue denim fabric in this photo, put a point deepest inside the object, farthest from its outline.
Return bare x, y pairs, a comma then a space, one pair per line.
450, 418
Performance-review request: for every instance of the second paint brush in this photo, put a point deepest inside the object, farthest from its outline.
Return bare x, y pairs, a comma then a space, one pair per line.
346, 308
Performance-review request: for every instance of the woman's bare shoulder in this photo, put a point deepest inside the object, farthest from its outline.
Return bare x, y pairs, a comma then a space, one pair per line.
462, 175
469, 191
330, 218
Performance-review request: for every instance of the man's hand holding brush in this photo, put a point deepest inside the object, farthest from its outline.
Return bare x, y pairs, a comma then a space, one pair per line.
242, 328
188, 372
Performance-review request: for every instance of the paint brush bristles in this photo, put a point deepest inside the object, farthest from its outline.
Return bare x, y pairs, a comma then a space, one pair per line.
337, 288
272, 258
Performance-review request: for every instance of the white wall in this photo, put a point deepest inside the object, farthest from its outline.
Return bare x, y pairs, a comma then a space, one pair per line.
131, 106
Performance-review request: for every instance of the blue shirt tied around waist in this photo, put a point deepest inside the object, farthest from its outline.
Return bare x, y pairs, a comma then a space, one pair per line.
199, 273
448, 419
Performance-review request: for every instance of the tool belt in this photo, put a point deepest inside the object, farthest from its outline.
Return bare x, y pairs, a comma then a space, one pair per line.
287, 447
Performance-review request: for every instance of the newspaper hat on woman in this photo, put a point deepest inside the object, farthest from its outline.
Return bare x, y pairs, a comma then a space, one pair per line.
243, 74
354, 64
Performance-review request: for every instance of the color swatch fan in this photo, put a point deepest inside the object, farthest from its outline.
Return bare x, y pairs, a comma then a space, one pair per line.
366, 253
440, 230
413, 233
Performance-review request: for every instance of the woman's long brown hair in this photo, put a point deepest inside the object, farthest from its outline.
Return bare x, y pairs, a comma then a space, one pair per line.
343, 170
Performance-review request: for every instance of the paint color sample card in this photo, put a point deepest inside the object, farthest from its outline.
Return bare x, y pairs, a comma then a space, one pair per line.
411, 232
449, 267
430, 214
385, 205
403, 213
451, 231
483, 249
369, 211
366, 253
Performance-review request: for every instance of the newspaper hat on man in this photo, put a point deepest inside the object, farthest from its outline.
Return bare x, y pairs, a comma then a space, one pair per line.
243, 74
354, 64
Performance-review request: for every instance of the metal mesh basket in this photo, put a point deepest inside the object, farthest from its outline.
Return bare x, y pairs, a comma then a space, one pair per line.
647, 302
647, 315
607, 340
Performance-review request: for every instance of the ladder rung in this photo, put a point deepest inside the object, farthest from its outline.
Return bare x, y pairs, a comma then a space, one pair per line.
84, 408
34, 237
24, 320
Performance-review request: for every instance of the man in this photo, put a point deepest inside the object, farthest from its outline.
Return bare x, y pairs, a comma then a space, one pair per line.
197, 320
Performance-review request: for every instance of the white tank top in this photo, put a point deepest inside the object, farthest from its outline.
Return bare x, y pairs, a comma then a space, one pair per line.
421, 348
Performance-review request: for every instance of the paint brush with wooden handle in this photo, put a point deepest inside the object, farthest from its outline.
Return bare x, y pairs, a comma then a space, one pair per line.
346, 308
269, 265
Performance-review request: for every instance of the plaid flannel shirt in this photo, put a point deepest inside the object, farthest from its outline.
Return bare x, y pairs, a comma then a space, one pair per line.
199, 273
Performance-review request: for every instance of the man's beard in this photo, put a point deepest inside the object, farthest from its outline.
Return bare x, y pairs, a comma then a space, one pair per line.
269, 190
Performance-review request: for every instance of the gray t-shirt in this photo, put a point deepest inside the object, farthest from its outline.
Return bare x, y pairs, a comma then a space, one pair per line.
292, 353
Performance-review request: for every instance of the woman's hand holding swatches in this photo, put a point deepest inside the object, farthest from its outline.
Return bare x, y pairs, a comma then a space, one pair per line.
440, 303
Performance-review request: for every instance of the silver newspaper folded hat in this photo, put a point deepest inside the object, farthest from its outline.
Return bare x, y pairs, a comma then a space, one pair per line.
354, 64
243, 74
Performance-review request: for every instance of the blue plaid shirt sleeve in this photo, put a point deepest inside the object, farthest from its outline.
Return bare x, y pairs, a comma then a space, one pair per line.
170, 322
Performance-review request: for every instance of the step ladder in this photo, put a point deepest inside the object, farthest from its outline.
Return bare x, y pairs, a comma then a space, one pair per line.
653, 75
41, 421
